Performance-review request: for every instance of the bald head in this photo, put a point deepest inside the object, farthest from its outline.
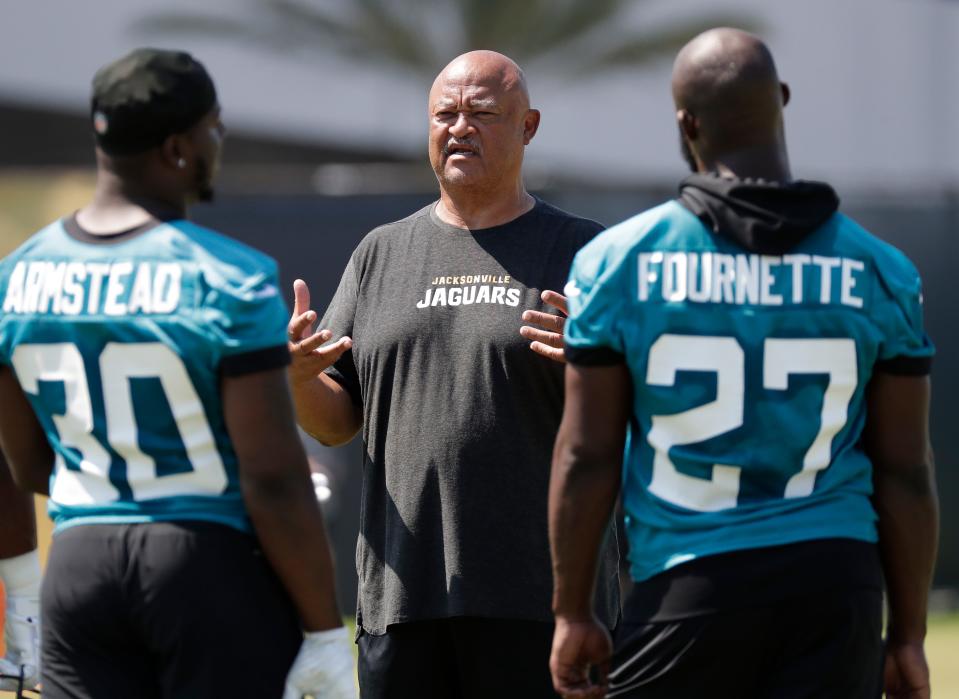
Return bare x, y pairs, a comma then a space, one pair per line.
480, 124
725, 80
487, 68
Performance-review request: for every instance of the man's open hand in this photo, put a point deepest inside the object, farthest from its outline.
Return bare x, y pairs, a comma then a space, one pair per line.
309, 356
548, 342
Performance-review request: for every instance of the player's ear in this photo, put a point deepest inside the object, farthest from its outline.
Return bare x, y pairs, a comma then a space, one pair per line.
688, 124
787, 93
530, 125
175, 152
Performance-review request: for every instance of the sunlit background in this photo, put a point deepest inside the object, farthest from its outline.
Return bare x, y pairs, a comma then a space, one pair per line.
325, 101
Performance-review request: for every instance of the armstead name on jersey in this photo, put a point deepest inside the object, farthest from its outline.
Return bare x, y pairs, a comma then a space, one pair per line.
73, 288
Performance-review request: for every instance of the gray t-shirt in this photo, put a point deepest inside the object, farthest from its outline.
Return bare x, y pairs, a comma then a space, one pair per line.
459, 416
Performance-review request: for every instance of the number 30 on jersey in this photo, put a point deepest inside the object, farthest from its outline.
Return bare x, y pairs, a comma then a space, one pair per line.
119, 364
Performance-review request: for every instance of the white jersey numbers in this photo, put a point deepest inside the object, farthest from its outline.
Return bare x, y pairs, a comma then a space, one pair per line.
723, 356
119, 364
837, 358
63, 363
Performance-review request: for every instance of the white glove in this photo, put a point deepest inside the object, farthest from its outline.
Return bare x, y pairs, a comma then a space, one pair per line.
324, 668
10, 672
21, 629
321, 486
22, 635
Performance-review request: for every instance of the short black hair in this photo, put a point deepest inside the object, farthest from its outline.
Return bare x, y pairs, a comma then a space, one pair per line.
149, 94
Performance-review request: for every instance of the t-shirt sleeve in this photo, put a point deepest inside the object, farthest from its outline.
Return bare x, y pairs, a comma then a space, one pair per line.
588, 230
905, 348
248, 316
339, 318
592, 335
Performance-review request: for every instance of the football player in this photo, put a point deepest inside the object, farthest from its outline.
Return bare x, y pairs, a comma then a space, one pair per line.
762, 359
144, 387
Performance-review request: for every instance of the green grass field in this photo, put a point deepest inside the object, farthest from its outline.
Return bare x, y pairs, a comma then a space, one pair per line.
942, 647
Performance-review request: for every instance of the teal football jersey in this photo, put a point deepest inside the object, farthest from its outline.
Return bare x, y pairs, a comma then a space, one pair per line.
749, 373
120, 345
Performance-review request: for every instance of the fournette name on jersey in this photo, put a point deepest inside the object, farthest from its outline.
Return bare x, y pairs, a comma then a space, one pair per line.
75, 288
764, 280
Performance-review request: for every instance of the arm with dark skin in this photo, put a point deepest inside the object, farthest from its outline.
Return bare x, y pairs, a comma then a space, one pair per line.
18, 523
584, 484
278, 492
897, 441
25, 445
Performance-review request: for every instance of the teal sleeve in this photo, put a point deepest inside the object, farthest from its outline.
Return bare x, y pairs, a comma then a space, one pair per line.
6, 326
248, 317
905, 347
595, 298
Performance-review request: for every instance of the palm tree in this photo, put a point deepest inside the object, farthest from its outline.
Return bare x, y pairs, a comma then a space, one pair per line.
570, 37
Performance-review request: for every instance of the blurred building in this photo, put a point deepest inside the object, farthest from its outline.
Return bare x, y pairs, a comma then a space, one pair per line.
874, 81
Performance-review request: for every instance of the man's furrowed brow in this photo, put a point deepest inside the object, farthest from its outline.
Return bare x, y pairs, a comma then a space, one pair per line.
443, 103
484, 103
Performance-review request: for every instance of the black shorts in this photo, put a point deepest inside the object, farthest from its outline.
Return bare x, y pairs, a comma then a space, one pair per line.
461, 658
182, 610
822, 640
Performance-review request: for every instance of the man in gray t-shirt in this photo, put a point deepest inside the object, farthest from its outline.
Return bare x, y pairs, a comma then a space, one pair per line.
459, 404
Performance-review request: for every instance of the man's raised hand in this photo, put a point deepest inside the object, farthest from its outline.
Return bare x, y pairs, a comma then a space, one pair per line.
548, 342
309, 356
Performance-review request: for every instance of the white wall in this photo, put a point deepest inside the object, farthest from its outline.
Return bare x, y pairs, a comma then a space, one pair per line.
875, 86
